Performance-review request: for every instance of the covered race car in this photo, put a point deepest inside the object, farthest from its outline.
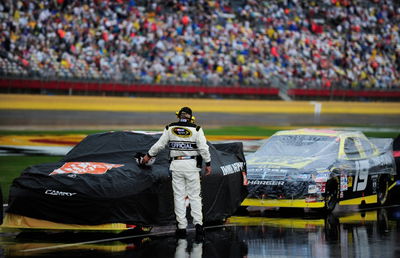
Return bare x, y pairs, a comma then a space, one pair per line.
309, 168
99, 185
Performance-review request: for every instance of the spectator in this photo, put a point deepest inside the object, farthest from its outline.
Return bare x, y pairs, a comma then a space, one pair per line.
307, 43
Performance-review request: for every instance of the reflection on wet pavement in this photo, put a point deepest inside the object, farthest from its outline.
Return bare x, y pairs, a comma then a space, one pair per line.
373, 232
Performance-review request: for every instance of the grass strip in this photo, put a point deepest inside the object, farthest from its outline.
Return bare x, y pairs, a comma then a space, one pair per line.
12, 166
227, 130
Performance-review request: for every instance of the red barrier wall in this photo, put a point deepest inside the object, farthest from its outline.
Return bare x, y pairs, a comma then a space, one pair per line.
345, 93
144, 88
223, 90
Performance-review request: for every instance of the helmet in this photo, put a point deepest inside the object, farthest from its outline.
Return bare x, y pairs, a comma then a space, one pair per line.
188, 111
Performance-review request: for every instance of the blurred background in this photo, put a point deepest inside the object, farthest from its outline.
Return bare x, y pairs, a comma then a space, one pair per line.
278, 49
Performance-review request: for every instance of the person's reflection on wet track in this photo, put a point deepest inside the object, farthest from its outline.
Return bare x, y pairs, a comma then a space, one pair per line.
182, 250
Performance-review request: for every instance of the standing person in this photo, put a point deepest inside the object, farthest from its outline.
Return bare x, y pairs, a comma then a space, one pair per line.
188, 146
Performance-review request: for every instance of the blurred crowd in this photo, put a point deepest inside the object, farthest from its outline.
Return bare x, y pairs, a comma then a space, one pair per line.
298, 43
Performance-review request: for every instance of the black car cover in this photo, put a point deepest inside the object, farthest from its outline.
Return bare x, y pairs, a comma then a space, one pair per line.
396, 153
99, 182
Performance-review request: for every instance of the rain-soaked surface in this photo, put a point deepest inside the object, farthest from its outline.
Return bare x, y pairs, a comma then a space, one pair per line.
348, 232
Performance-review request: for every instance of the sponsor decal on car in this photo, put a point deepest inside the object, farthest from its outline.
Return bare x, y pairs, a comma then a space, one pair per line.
181, 132
349, 181
312, 189
301, 177
322, 177
265, 182
255, 170
321, 187
309, 199
343, 182
85, 168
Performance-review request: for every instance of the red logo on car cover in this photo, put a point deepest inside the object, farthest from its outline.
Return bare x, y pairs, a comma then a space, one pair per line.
85, 168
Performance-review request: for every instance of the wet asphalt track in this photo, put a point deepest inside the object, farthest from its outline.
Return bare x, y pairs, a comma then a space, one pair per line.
348, 232
25, 119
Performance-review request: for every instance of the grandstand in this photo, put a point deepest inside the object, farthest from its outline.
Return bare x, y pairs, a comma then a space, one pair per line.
290, 49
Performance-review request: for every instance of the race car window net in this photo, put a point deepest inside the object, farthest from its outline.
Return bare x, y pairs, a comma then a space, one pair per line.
350, 148
367, 146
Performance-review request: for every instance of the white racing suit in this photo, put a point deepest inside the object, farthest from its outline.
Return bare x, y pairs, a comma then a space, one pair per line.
186, 142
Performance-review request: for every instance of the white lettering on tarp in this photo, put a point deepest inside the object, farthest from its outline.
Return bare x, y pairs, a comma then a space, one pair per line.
232, 168
58, 193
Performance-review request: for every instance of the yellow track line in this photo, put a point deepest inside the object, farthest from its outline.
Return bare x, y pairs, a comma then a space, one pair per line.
73, 139
129, 104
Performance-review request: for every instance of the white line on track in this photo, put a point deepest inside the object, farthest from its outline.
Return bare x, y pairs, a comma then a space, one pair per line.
379, 208
96, 241
114, 239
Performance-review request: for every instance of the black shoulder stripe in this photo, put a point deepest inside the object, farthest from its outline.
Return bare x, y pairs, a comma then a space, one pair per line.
183, 124
198, 128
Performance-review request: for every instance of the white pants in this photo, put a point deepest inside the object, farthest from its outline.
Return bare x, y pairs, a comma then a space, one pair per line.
186, 183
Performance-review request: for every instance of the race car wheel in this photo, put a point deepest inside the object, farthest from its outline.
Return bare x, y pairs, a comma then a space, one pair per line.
332, 227
331, 195
383, 189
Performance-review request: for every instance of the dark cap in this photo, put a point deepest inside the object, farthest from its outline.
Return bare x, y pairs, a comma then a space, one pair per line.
187, 110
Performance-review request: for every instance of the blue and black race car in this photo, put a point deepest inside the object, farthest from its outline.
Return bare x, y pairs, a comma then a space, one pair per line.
309, 168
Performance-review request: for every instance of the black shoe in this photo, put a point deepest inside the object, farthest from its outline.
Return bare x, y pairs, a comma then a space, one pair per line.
180, 233
199, 230
199, 233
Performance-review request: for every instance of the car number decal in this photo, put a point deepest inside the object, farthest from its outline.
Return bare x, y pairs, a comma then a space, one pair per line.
361, 177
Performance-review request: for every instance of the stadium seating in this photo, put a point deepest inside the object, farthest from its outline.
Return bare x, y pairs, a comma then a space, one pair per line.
325, 44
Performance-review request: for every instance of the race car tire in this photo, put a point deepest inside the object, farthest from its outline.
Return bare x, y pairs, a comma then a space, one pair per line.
382, 225
383, 189
332, 227
331, 195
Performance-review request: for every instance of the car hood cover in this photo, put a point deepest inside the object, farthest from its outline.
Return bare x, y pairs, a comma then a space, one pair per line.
281, 162
284, 176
